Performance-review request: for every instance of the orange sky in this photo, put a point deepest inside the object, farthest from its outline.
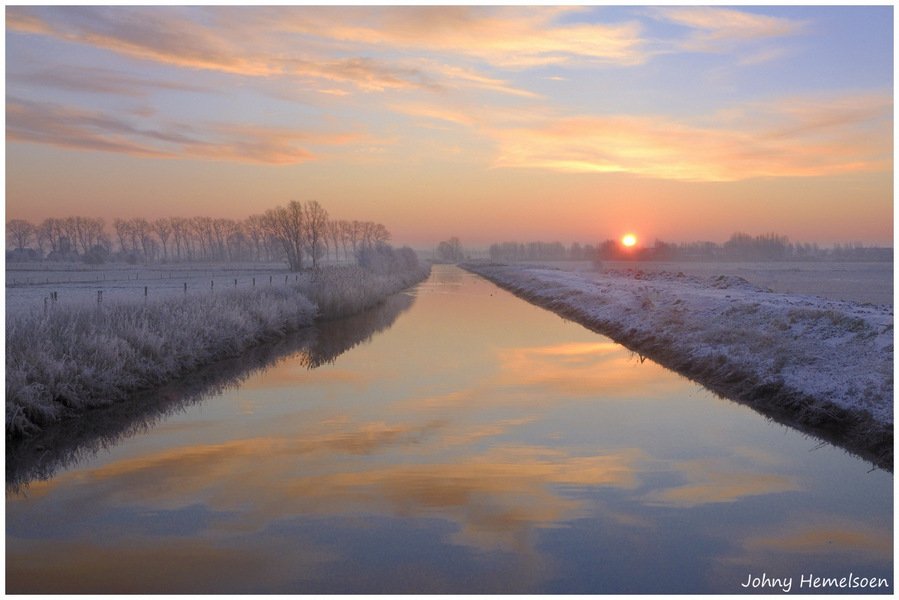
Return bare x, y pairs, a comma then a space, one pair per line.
517, 123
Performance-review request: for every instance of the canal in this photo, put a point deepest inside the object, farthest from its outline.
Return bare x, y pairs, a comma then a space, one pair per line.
454, 440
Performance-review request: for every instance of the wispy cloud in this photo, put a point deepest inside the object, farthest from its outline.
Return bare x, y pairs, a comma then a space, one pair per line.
505, 36
716, 28
302, 43
789, 137
73, 128
96, 80
174, 36
786, 137
69, 127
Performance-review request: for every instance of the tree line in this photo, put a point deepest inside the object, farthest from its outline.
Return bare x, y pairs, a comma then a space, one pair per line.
295, 232
514, 251
739, 247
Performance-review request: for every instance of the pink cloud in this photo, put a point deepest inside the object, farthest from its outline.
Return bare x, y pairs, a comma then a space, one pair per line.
76, 128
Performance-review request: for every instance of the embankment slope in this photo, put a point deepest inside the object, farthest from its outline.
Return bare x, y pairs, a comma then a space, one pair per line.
822, 366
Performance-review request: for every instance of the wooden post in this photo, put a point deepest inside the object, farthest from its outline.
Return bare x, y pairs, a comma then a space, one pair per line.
185, 287
254, 282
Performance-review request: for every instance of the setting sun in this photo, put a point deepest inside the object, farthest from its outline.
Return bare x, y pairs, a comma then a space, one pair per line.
629, 240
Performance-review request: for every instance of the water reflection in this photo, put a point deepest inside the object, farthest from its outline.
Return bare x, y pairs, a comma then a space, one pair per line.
714, 480
67, 443
481, 445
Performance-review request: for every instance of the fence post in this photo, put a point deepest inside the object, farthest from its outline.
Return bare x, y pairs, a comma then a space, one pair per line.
254, 282
185, 287
212, 285
269, 279
235, 283
145, 291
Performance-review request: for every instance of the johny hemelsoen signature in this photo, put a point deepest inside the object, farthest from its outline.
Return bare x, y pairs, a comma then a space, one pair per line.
810, 581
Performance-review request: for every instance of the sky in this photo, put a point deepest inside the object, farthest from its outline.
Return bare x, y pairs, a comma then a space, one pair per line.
679, 123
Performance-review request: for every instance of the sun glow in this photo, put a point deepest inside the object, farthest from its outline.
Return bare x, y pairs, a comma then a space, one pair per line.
629, 240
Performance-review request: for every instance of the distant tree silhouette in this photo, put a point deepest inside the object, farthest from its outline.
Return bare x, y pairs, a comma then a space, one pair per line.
450, 250
19, 232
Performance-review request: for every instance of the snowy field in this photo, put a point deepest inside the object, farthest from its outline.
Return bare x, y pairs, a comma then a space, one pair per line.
870, 282
825, 362
27, 284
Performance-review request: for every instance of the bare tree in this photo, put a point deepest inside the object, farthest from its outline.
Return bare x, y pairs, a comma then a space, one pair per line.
221, 231
450, 250
84, 232
346, 233
20, 232
162, 227
181, 236
239, 243
57, 234
254, 228
42, 236
201, 228
142, 238
379, 234
315, 222
356, 232
285, 223
333, 231
70, 227
123, 232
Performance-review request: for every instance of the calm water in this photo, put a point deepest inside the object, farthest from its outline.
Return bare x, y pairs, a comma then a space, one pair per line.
474, 443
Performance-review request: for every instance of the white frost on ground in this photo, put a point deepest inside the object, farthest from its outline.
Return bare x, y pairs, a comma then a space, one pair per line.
27, 284
838, 353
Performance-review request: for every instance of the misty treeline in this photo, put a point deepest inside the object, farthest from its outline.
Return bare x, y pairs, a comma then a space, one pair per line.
740, 246
450, 251
298, 233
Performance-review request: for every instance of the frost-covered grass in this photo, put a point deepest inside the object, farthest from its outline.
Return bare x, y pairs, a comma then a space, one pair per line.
346, 291
68, 359
65, 443
870, 282
820, 364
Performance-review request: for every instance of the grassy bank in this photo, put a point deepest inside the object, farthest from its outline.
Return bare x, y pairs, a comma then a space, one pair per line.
66, 360
824, 367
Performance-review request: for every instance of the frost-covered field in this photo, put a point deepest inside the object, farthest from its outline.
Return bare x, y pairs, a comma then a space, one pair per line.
853, 281
818, 362
77, 353
28, 284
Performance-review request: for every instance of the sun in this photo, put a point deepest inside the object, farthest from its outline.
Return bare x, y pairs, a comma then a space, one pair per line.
629, 240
